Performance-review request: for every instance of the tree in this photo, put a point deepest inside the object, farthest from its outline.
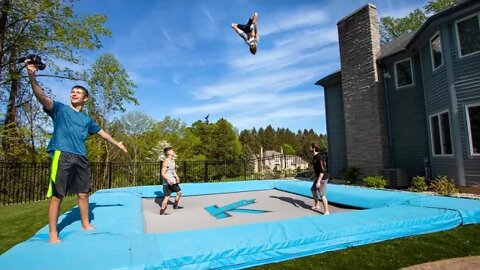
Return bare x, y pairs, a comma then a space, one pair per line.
110, 88
288, 149
219, 140
227, 145
391, 28
46, 26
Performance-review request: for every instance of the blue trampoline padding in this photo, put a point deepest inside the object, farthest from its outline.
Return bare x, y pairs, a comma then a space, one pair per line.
119, 242
350, 195
468, 209
231, 247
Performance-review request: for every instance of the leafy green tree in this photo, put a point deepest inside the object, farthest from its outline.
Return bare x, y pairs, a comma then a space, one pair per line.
219, 140
391, 28
50, 27
225, 140
110, 89
288, 149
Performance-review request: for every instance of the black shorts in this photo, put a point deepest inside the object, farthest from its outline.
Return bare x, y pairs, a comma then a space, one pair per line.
69, 174
245, 27
168, 189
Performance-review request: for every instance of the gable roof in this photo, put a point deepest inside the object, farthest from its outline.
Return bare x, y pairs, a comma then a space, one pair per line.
397, 45
439, 17
405, 42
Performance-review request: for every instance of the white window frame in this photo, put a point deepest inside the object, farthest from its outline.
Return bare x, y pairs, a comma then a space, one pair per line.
442, 139
458, 37
469, 129
396, 77
431, 51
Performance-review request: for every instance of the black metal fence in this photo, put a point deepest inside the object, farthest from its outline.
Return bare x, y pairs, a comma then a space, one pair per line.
26, 182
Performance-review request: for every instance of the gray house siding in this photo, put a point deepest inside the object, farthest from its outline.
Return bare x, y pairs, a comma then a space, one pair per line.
337, 152
437, 100
409, 141
466, 72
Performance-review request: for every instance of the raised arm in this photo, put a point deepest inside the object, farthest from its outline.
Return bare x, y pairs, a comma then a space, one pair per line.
46, 102
109, 139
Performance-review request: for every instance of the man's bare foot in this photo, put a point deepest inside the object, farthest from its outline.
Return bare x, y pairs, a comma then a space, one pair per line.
326, 213
54, 239
315, 207
88, 227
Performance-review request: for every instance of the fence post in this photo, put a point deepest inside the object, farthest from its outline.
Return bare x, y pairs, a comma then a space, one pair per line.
185, 171
109, 164
206, 171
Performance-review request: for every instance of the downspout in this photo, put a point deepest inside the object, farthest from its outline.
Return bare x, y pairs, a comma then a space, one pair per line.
386, 76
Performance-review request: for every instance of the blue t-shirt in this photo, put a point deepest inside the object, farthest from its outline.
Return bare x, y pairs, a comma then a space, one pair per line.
70, 129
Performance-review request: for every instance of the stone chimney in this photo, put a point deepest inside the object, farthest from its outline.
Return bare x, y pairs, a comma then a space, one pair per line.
363, 95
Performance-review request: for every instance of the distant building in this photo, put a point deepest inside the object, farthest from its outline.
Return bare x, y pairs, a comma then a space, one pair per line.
411, 106
273, 160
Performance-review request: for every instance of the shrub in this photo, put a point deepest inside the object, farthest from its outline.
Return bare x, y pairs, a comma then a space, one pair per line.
444, 186
418, 184
375, 181
351, 175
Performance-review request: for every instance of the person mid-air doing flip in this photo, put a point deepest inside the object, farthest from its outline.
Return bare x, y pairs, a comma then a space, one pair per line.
248, 32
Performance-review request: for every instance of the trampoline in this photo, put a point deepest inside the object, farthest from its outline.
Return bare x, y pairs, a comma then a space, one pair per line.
229, 209
233, 225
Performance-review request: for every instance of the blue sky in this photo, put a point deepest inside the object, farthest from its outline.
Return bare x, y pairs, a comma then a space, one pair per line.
187, 61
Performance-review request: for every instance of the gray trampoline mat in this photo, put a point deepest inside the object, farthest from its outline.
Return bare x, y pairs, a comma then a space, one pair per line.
193, 216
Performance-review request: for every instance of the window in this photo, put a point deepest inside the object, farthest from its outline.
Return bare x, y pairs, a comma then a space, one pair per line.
473, 123
440, 131
468, 35
403, 73
436, 49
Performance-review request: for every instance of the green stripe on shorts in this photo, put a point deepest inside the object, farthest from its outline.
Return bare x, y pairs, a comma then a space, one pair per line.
53, 172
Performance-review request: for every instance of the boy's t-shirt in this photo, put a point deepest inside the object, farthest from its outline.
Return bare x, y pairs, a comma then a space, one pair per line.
317, 161
70, 129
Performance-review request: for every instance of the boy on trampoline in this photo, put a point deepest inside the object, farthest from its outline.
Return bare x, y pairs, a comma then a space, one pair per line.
170, 180
320, 179
69, 169
248, 32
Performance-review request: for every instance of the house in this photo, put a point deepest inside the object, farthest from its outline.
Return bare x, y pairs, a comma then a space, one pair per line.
409, 107
273, 160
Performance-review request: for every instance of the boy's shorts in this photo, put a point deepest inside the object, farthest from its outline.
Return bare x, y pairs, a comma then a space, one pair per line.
69, 173
168, 189
323, 185
246, 28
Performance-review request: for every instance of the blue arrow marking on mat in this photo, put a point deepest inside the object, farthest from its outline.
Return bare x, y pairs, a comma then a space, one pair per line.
222, 212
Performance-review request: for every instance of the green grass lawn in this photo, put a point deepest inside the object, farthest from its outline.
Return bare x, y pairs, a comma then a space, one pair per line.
19, 222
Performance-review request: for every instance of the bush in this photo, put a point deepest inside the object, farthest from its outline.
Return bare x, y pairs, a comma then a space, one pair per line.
351, 175
418, 184
444, 186
375, 181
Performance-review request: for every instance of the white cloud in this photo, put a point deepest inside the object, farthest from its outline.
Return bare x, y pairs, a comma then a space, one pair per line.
291, 19
277, 81
277, 117
253, 103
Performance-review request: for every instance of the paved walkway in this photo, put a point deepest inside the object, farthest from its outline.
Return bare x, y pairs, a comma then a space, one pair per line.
465, 263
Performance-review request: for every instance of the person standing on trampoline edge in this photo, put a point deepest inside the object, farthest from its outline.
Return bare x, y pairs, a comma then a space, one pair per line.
69, 169
320, 179
248, 32
170, 180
